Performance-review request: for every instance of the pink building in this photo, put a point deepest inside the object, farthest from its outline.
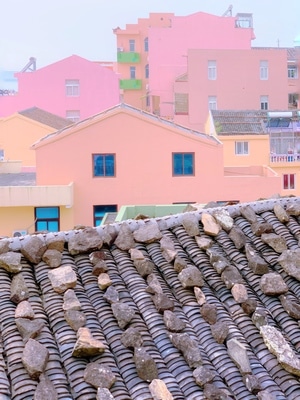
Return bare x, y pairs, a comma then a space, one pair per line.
73, 88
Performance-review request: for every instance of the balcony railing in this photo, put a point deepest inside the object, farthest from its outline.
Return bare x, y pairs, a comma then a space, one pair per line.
284, 158
128, 57
131, 84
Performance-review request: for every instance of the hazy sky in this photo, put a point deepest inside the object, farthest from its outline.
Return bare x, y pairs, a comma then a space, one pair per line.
54, 29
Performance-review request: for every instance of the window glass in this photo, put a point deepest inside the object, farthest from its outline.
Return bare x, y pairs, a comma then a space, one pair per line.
146, 44
100, 211
104, 164
131, 45
47, 219
183, 163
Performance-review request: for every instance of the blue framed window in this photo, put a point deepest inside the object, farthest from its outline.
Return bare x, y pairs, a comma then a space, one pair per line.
131, 45
147, 71
100, 211
104, 164
146, 44
132, 71
183, 164
47, 219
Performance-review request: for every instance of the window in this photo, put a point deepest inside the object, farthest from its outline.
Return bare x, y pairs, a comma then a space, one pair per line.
183, 164
47, 219
147, 71
131, 45
212, 70
264, 70
181, 103
100, 211
73, 115
1, 154
288, 181
212, 102
293, 100
241, 148
292, 72
146, 45
72, 87
264, 102
104, 164
132, 72
278, 123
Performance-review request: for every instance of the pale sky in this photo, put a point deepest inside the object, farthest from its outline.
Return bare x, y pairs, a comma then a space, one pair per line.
51, 30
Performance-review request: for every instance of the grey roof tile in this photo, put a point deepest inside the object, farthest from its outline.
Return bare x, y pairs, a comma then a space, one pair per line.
45, 117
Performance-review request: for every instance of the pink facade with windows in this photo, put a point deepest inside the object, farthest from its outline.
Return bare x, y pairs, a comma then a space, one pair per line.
73, 88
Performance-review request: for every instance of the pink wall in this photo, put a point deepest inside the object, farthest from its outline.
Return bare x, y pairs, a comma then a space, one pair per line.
238, 84
45, 88
169, 47
143, 148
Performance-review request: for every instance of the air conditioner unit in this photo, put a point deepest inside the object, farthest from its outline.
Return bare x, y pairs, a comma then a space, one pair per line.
120, 49
19, 232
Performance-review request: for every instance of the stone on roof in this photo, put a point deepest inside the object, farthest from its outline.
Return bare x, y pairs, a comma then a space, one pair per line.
219, 320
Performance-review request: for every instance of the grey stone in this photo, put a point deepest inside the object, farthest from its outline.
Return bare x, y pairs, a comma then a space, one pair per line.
278, 346
203, 242
62, 278
209, 313
99, 268
29, 329
168, 248
24, 310
248, 213
162, 302
144, 267
104, 281
55, 242
191, 224
200, 296
239, 292
272, 284
290, 306
75, 318
278, 243
252, 383
99, 375
86, 345
290, 262
4, 246
179, 264
153, 284
70, 301
238, 353
136, 254
281, 214
52, 257
125, 239
159, 390
18, 289
149, 232
189, 348
172, 322
210, 225
220, 265
237, 236
35, 358
249, 306
132, 338
224, 219
215, 256
123, 313
255, 262
266, 395
293, 208
190, 277
111, 295
104, 394
11, 262
203, 375
220, 331
96, 256
45, 389
145, 365
212, 392
231, 276
33, 248
258, 228
260, 318
84, 241
109, 234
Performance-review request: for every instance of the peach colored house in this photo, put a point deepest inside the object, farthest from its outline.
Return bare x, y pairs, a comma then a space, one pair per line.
72, 88
261, 138
124, 156
237, 79
20, 130
153, 52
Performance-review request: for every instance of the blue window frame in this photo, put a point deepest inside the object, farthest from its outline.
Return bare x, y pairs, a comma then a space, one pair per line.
132, 71
147, 71
100, 211
104, 164
146, 44
183, 164
47, 219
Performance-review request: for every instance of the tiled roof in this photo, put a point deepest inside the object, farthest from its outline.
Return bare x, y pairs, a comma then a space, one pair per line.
123, 106
255, 371
239, 122
45, 117
18, 179
290, 51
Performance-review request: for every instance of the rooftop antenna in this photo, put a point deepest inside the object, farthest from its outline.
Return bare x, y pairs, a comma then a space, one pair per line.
30, 66
228, 12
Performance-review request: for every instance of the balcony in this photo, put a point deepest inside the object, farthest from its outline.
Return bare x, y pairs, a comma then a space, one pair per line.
284, 158
128, 57
131, 84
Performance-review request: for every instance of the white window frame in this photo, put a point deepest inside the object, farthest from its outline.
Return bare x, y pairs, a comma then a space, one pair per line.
212, 103
212, 70
264, 70
132, 72
131, 45
72, 87
73, 115
290, 187
241, 148
264, 102
292, 72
